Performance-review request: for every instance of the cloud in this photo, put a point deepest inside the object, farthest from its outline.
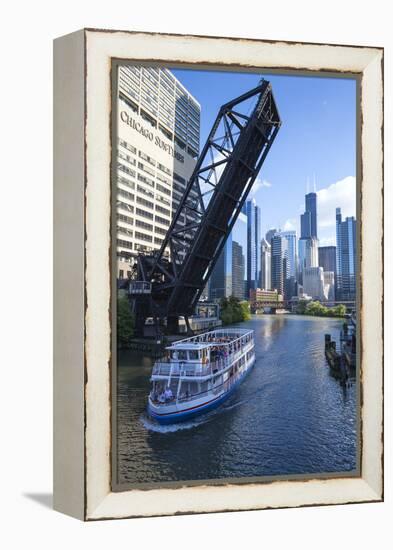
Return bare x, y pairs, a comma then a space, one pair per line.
258, 184
341, 194
290, 225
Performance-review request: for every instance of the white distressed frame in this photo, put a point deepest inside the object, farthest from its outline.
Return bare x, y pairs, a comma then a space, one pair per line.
90, 418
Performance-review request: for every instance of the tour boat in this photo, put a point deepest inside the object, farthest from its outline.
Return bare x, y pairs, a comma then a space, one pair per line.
197, 374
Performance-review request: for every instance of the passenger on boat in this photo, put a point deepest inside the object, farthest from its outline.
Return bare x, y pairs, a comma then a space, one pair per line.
168, 395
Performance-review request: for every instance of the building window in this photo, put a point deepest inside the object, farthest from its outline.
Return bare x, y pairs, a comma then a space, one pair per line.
164, 169
126, 169
146, 180
126, 219
147, 158
160, 230
145, 168
144, 214
125, 206
144, 202
121, 274
144, 225
127, 146
162, 210
162, 221
124, 244
125, 194
146, 192
163, 189
143, 237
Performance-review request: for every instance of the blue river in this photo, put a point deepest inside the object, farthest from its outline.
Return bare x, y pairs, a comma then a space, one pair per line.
289, 416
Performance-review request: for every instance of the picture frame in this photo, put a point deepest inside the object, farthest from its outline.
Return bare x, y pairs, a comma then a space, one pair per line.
83, 312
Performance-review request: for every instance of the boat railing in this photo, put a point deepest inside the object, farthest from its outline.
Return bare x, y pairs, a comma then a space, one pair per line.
217, 389
181, 368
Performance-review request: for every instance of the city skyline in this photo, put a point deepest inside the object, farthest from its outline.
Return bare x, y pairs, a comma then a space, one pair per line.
316, 154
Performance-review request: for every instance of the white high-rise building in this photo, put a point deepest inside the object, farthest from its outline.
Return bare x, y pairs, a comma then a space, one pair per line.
313, 283
266, 261
292, 252
329, 285
308, 253
158, 144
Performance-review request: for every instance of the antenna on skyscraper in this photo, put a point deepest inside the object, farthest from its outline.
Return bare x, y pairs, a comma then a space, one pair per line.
315, 185
308, 185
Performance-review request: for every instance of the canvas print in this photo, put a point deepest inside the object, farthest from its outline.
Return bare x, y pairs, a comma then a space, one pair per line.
235, 262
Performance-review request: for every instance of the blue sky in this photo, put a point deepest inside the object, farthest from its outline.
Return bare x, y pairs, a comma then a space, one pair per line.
317, 140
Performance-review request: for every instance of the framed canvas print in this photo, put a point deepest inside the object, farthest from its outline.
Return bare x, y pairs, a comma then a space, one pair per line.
218, 274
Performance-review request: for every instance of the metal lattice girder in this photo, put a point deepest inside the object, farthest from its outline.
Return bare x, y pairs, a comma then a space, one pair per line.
226, 169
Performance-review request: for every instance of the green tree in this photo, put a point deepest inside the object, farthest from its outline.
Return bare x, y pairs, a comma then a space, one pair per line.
125, 322
245, 310
232, 310
339, 311
301, 307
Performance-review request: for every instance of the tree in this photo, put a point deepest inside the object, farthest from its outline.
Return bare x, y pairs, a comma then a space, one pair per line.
125, 322
245, 310
232, 310
339, 311
301, 307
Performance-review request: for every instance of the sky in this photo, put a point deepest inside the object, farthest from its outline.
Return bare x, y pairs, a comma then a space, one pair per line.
316, 143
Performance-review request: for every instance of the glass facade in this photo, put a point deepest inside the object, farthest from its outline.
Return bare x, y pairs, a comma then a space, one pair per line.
253, 272
345, 257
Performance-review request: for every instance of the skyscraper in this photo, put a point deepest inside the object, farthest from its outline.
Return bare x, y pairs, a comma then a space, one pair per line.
158, 143
313, 282
265, 279
305, 225
237, 271
308, 242
290, 236
220, 282
327, 259
311, 207
308, 253
279, 259
269, 235
345, 257
227, 278
253, 213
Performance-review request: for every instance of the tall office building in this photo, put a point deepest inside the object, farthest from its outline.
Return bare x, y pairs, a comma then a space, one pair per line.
269, 235
291, 237
311, 207
329, 285
313, 283
227, 278
327, 259
308, 253
253, 214
266, 261
279, 263
220, 282
237, 271
345, 257
158, 144
308, 242
305, 225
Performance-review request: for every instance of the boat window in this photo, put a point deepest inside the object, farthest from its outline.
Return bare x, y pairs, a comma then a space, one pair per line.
193, 354
180, 354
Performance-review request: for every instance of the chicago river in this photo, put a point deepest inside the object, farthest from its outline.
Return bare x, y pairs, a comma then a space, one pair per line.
289, 416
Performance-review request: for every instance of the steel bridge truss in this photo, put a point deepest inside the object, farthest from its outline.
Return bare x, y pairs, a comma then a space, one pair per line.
226, 169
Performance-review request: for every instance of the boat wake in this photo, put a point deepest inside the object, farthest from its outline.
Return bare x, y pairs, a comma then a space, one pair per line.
152, 426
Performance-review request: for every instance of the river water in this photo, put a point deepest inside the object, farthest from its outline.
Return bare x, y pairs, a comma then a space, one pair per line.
289, 416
